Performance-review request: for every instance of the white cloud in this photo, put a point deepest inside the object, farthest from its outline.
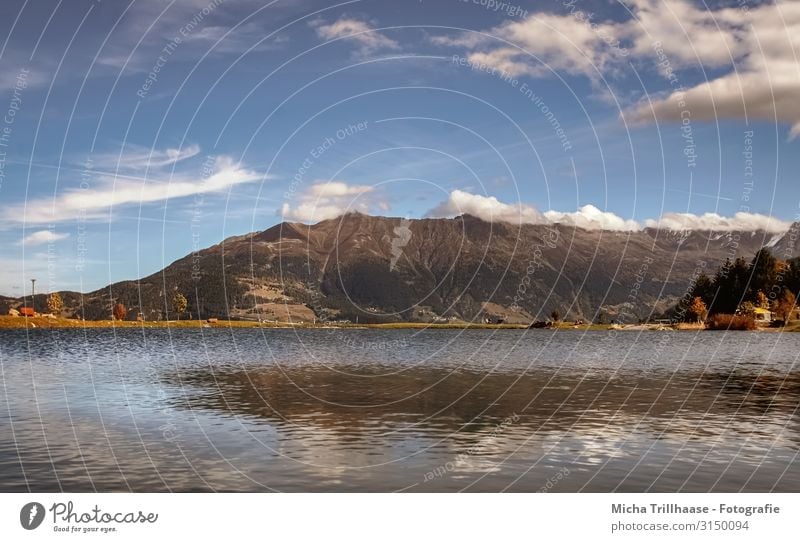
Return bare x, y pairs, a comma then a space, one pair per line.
712, 221
576, 42
488, 208
109, 192
505, 60
544, 43
136, 158
325, 200
688, 33
753, 53
766, 82
368, 39
229, 40
590, 217
336, 189
43, 236
12, 77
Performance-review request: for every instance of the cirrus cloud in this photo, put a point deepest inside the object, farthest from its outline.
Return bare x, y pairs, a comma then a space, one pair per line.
368, 39
109, 191
41, 237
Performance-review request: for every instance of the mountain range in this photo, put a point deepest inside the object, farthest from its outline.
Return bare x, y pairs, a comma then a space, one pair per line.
362, 268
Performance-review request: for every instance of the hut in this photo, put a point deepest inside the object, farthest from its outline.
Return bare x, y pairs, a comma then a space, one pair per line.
762, 316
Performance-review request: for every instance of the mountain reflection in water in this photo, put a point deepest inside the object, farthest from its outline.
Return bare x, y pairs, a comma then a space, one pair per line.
475, 411
352, 400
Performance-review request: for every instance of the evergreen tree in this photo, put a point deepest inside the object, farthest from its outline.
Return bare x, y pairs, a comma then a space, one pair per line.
763, 274
705, 289
730, 283
792, 276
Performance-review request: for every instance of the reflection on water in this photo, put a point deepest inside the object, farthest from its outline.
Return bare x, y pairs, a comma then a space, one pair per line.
320, 410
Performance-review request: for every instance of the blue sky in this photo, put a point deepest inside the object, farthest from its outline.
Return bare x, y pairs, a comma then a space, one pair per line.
566, 111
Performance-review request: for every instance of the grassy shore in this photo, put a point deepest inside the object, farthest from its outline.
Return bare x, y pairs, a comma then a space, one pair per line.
18, 322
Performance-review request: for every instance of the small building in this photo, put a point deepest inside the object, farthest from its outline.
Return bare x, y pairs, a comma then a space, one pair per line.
27, 311
762, 316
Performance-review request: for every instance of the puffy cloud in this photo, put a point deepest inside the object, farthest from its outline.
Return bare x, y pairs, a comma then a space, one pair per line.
111, 191
43, 236
326, 200
543, 43
487, 208
590, 217
358, 31
752, 50
336, 189
765, 84
504, 60
688, 33
712, 221
576, 42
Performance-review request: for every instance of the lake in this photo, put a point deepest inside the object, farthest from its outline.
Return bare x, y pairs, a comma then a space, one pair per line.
398, 410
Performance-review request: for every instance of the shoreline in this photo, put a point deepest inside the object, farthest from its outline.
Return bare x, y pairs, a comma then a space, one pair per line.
43, 322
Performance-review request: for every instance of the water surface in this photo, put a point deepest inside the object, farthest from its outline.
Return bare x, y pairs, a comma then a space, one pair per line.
391, 410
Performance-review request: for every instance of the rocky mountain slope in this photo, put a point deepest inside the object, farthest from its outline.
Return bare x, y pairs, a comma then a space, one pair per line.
377, 269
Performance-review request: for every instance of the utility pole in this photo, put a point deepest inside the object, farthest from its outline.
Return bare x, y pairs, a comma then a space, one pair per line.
33, 295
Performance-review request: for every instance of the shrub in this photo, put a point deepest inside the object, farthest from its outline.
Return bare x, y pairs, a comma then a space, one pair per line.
54, 303
119, 312
732, 322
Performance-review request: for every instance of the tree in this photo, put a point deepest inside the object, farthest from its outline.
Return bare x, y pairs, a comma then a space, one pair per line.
763, 273
793, 276
747, 308
179, 304
730, 284
698, 309
739, 287
54, 303
119, 312
704, 288
785, 306
555, 315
